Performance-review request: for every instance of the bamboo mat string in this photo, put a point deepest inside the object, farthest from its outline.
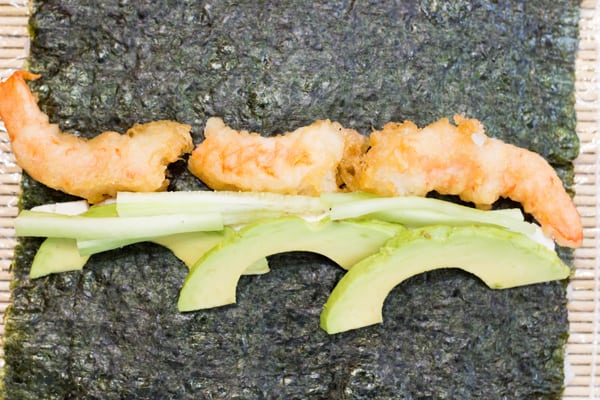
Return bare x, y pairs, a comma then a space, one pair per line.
582, 362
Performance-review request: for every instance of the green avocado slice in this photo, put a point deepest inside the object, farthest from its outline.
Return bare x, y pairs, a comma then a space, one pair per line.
212, 281
57, 255
63, 254
500, 258
190, 246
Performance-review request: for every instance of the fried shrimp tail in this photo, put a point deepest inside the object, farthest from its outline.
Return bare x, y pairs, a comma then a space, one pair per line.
94, 169
462, 160
306, 161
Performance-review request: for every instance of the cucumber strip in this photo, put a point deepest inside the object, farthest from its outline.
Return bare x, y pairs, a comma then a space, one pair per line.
61, 254
42, 224
330, 199
241, 218
225, 202
422, 211
67, 254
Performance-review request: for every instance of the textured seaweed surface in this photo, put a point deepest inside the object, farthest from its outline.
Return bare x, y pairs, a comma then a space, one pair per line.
113, 331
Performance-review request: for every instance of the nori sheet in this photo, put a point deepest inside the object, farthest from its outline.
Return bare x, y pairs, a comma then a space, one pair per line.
112, 331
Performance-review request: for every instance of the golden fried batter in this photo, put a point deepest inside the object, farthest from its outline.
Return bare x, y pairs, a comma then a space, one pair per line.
305, 161
322, 157
94, 169
462, 160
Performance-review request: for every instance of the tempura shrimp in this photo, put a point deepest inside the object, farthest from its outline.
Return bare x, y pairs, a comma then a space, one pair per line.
462, 160
305, 161
94, 169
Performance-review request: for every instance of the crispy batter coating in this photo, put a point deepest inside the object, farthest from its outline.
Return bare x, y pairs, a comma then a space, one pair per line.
322, 157
462, 160
305, 161
94, 169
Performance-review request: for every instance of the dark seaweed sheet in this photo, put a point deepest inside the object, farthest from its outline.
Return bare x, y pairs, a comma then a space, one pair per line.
113, 331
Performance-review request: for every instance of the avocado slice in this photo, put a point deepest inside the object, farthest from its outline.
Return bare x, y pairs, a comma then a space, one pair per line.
190, 246
56, 255
63, 254
212, 281
500, 258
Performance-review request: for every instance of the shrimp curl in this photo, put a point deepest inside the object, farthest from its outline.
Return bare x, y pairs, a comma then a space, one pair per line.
307, 161
95, 169
462, 160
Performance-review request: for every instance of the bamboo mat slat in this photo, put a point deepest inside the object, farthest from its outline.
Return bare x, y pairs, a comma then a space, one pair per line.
582, 363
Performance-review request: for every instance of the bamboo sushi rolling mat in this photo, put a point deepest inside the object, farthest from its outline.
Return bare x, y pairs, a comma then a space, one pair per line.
582, 364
